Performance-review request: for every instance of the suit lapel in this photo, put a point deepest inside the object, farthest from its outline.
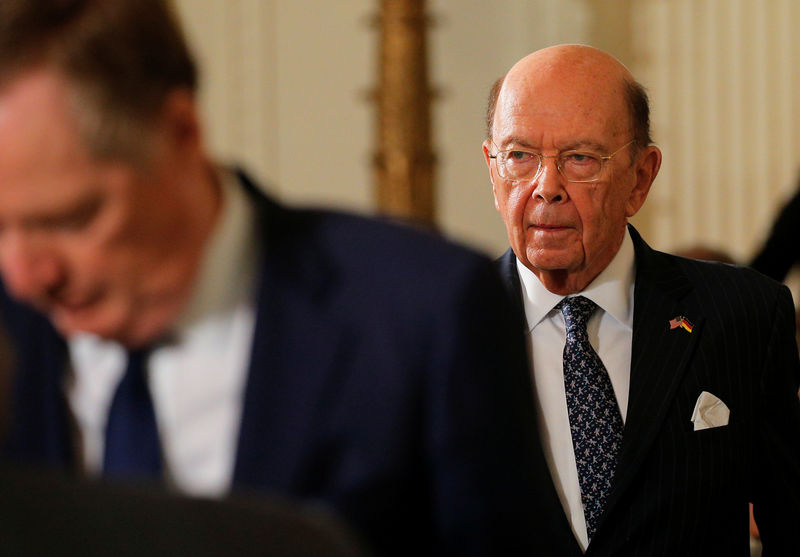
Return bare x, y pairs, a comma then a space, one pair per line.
507, 268
294, 349
659, 357
558, 527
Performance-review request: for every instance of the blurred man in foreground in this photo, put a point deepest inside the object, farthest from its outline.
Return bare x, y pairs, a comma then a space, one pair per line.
171, 322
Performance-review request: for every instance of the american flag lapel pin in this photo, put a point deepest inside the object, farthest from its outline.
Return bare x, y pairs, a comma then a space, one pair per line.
682, 322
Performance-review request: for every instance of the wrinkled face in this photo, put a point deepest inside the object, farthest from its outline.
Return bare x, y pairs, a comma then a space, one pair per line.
87, 242
566, 233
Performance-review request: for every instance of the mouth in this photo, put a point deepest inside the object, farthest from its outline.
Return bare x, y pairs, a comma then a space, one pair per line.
73, 304
69, 303
73, 314
549, 227
64, 316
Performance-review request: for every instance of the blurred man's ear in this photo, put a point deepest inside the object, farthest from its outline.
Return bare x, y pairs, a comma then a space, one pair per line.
179, 121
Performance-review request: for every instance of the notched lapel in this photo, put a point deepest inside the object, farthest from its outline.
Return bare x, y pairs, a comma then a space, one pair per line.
295, 347
506, 266
659, 358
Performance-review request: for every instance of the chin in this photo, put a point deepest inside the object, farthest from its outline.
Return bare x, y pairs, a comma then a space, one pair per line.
87, 321
547, 261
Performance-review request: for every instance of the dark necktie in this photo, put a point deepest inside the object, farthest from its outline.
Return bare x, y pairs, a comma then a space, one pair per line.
594, 417
132, 449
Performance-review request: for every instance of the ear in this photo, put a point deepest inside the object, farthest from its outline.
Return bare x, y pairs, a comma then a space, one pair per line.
486, 153
646, 170
179, 122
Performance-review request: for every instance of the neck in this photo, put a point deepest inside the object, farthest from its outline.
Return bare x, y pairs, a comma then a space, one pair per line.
176, 271
571, 281
563, 282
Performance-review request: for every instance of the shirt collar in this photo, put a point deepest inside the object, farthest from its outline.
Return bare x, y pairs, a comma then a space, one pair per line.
612, 289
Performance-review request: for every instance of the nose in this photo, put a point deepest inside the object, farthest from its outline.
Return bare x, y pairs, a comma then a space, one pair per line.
549, 184
31, 270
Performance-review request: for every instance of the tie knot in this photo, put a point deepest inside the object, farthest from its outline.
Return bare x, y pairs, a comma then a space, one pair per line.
576, 311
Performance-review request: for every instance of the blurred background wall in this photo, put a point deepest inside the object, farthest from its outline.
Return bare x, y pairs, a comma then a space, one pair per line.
286, 95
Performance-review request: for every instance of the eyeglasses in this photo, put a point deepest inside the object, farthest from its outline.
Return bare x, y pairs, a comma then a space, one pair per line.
521, 165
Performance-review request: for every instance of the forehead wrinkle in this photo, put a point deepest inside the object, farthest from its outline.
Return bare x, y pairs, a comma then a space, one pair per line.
520, 109
582, 129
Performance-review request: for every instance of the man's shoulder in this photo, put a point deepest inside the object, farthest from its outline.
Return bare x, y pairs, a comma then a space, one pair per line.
381, 267
721, 274
348, 235
717, 274
729, 291
379, 242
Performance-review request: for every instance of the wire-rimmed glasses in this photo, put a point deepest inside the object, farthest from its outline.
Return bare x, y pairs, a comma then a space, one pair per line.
522, 165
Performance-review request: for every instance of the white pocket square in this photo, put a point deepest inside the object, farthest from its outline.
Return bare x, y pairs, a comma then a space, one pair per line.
709, 411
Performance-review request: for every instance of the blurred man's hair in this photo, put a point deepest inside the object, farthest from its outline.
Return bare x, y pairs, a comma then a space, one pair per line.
121, 57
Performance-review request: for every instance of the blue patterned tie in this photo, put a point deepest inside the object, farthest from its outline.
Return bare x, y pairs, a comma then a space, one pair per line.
132, 448
594, 417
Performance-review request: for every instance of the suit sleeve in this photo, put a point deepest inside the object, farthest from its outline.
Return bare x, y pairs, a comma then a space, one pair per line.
776, 499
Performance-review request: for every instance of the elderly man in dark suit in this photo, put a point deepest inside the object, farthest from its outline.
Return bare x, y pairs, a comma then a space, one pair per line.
666, 387
170, 321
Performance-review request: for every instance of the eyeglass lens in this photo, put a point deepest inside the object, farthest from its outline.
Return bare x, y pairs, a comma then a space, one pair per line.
522, 165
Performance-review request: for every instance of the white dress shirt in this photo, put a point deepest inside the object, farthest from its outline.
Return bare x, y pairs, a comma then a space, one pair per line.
197, 381
610, 332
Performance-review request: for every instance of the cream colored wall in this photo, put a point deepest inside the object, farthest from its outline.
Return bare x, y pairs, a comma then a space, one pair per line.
283, 93
724, 80
286, 83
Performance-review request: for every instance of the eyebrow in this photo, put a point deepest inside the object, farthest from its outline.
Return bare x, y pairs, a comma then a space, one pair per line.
511, 142
80, 211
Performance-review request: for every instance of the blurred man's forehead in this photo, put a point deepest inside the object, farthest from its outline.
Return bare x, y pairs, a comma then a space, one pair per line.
38, 103
45, 167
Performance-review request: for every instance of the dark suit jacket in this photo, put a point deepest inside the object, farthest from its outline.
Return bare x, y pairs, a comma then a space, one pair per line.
386, 380
684, 492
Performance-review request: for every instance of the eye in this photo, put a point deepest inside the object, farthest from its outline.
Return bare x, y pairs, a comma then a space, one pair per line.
72, 219
516, 164
519, 156
575, 158
579, 166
